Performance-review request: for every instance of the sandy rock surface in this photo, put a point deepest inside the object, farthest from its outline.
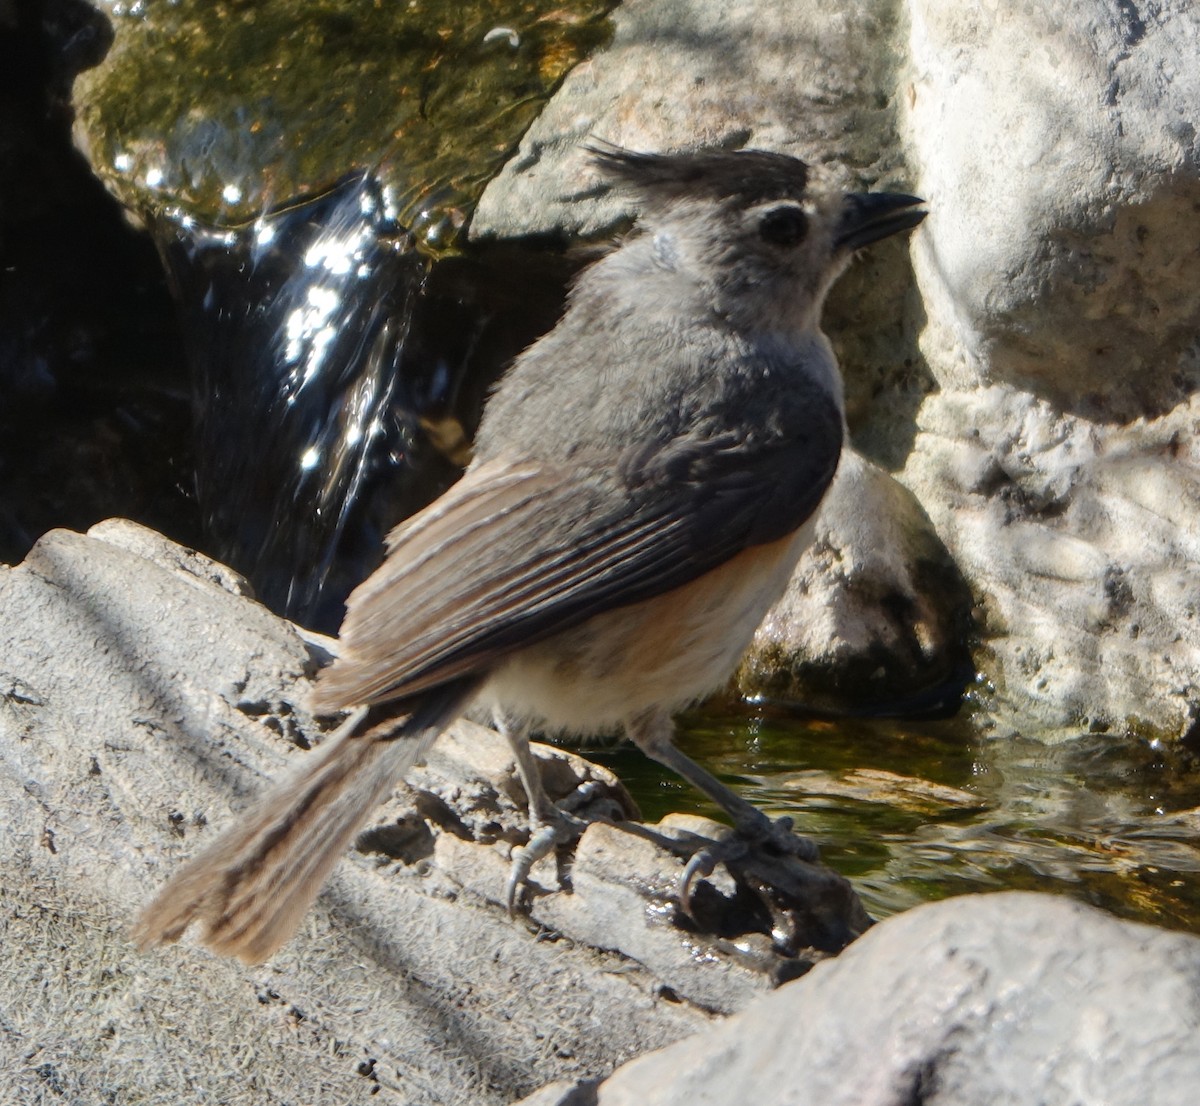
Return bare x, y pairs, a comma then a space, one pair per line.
145, 702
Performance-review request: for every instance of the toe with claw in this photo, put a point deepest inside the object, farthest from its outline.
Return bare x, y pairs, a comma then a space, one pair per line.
756, 839
544, 839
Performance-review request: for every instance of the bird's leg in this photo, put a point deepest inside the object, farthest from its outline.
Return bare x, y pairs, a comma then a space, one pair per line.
653, 733
549, 824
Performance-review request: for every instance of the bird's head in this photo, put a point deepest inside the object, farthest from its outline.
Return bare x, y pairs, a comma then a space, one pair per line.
751, 229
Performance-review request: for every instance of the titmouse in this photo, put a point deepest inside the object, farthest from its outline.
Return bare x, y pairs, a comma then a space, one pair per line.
643, 484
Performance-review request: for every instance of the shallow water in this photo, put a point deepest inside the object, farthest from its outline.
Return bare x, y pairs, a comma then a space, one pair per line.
917, 811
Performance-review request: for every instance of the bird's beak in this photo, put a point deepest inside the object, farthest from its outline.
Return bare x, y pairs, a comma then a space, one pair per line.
870, 216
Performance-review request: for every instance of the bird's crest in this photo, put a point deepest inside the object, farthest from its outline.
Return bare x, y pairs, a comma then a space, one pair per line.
745, 176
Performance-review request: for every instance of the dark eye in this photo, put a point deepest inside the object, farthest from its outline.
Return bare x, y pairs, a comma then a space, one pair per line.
784, 226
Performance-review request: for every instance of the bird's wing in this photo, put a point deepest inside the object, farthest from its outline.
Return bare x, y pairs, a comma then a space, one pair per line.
518, 551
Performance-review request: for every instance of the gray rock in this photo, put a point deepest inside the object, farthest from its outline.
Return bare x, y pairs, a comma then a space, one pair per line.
809, 80
1062, 297
1080, 539
1060, 152
876, 613
142, 704
1011, 998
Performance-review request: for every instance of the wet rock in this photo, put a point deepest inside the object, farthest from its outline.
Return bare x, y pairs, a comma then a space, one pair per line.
144, 700
1014, 998
217, 112
876, 617
291, 164
1061, 296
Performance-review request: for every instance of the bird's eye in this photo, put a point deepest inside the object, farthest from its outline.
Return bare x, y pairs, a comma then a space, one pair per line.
783, 226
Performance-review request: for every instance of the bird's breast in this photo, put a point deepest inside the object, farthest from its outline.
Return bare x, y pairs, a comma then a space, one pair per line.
667, 651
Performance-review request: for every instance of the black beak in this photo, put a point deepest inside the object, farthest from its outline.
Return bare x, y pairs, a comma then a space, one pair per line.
870, 216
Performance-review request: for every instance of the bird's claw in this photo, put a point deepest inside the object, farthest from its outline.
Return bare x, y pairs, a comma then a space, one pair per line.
701, 864
542, 843
561, 827
771, 837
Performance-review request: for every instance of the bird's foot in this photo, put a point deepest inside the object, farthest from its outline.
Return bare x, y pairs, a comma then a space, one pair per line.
553, 829
752, 842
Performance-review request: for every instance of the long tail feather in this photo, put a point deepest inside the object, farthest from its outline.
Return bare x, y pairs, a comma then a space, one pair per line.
252, 886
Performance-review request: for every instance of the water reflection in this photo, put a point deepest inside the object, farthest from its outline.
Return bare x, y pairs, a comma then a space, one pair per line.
917, 811
295, 327
338, 379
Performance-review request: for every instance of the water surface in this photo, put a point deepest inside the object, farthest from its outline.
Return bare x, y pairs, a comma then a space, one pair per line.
917, 811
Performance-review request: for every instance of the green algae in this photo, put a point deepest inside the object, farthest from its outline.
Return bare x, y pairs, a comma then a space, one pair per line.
218, 110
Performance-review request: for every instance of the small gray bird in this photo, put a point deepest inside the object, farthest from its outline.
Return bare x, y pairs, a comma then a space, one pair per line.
643, 484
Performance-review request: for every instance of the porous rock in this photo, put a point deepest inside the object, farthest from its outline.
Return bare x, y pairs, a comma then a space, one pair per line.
1080, 539
1060, 284
1015, 998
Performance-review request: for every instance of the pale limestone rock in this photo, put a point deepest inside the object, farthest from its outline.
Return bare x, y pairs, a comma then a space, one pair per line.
1059, 274
1058, 149
1012, 998
143, 703
1083, 542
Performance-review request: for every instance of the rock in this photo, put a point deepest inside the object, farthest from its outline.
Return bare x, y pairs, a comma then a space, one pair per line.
815, 82
143, 703
876, 615
1015, 998
194, 114
1061, 293
1080, 539
1057, 253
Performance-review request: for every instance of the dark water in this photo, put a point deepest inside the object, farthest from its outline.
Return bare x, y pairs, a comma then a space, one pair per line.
917, 811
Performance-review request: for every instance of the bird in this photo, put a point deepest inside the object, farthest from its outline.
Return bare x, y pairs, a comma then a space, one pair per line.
644, 481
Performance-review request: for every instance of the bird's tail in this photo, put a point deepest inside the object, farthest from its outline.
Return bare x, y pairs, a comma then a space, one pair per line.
252, 886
